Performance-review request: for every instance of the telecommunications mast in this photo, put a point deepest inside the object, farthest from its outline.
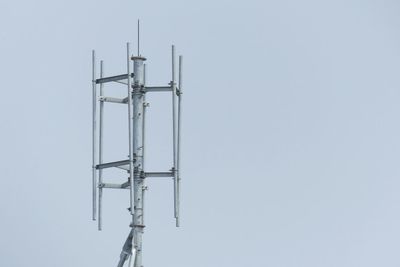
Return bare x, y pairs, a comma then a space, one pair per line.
135, 101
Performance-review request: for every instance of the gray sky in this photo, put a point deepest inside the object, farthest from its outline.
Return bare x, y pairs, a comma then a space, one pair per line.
290, 138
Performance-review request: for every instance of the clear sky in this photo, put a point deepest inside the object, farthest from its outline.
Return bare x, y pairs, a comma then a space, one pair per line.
291, 136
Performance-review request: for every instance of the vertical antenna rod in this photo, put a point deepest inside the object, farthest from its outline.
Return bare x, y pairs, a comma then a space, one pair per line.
101, 127
138, 38
143, 138
94, 190
180, 84
128, 54
173, 85
144, 117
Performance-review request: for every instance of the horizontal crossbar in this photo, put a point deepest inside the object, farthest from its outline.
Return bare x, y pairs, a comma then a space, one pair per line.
113, 78
149, 174
112, 164
159, 174
115, 186
113, 99
158, 89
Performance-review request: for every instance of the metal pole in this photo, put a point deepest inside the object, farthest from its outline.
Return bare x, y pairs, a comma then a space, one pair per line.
144, 118
126, 250
178, 162
138, 174
143, 196
173, 85
101, 126
94, 100
143, 139
128, 54
138, 38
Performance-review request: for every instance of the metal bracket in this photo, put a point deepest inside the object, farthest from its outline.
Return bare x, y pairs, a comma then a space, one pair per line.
112, 164
157, 89
113, 78
159, 174
113, 100
114, 186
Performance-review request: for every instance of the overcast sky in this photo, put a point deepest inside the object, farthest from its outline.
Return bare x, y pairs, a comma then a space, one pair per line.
291, 135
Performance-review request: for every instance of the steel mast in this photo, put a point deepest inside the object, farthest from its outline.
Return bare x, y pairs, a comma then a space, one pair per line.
138, 146
135, 100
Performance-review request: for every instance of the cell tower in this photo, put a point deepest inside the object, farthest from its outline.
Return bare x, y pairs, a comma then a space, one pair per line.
135, 101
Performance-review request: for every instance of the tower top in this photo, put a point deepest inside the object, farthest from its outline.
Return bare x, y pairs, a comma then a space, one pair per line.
133, 169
